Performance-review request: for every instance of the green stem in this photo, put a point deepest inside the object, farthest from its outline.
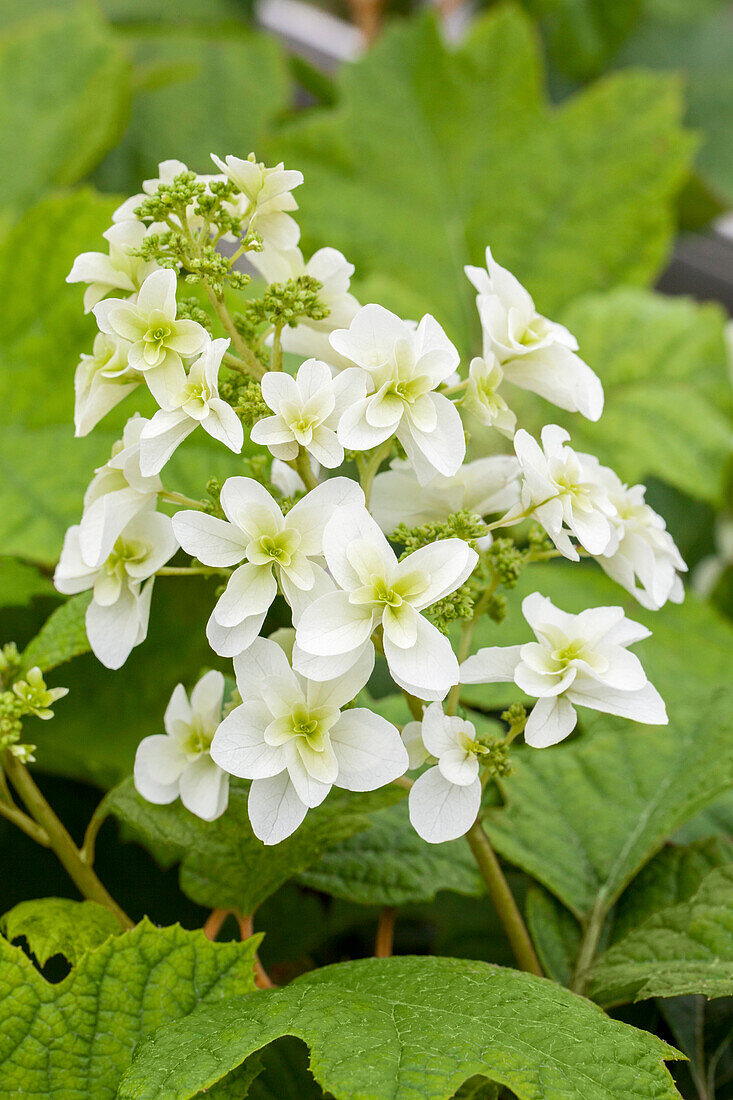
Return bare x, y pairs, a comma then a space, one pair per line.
179, 498
592, 932
26, 824
503, 899
250, 361
191, 571
464, 648
303, 467
59, 840
96, 821
368, 470
276, 363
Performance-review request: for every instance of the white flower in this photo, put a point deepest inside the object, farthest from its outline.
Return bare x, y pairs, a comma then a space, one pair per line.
116, 493
486, 486
445, 799
577, 659
404, 365
178, 762
101, 381
534, 353
266, 198
291, 738
158, 341
642, 549
196, 403
376, 590
307, 411
117, 617
120, 269
276, 550
333, 271
565, 492
287, 480
482, 399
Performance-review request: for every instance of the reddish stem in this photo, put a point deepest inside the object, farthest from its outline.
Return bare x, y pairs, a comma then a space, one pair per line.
384, 942
262, 978
214, 921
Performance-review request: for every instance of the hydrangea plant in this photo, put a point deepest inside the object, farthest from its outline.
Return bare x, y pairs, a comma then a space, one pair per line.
386, 495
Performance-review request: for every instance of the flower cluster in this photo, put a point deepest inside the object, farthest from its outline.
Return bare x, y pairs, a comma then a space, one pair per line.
357, 527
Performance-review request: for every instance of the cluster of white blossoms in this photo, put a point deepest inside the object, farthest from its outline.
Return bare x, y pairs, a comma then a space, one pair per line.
361, 534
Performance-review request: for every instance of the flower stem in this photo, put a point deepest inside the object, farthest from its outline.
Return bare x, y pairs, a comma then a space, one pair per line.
26, 824
303, 467
184, 501
276, 363
592, 931
59, 840
191, 571
214, 921
464, 648
369, 469
250, 361
503, 899
384, 943
262, 978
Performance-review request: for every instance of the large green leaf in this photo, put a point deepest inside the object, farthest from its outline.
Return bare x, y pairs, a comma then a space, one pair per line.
75, 1039
584, 816
697, 40
555, 932
59, 926
64, 89
670, 878
233, 84
687, 948
20, 584
431, 154
388, 864
664, 367
223, 864
405, 1028
582, 35
61, 637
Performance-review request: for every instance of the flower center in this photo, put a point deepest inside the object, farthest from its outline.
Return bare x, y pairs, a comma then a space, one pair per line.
198, 741
570, 652
273, 548
384, 594
157, 335
123, 554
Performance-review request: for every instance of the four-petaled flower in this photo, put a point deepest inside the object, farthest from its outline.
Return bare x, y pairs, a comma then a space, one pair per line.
178, 763
534, 353
266, 199
377, 590
158, 340
307, 411
482, 397
577, 659
291, 737
278, 549
196, 403
445, 799
117, 617
101, 381
404, 365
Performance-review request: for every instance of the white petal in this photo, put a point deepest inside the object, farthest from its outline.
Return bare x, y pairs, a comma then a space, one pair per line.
275, 811
645, 706
445, 447
356, 434
160, 437
332, 626
207, 696
263, 660
178, 711
342, 689
158, 766
249, 591
243, 500
114, 631
441, 811
491, 665
551, 721
239, 745
311, 514
230, 641
327, 668
413, 742
369, 750
213, 541
458, 766
428, 665
223, 424
205, 788
559, 375
104, 520
347, 526
437, 732
158, 292
448, 563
